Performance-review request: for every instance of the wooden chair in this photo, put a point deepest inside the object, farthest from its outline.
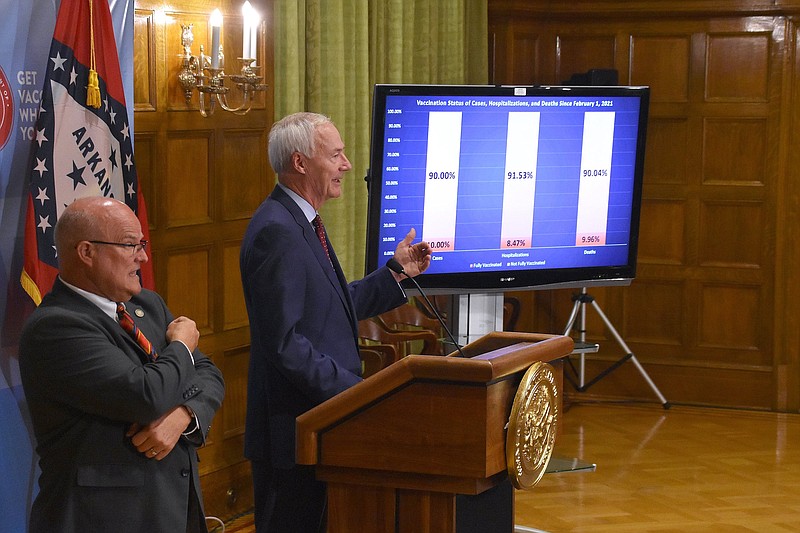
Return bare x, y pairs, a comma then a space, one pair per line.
376, 357
441, 301
511, 308
409, 317
372, 331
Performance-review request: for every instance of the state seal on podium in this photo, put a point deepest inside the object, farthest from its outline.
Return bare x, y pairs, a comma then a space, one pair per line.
532, 426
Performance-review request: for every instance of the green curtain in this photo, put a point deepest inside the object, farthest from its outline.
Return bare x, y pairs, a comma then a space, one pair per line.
330, 53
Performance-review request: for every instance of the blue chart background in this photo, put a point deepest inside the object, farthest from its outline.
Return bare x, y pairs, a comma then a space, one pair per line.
26, 31
482, 174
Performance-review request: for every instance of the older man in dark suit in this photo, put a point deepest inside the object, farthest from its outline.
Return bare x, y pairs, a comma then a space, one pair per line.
119, 396
303, 316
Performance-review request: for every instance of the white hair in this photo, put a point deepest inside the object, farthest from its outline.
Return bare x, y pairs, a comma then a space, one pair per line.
294, 133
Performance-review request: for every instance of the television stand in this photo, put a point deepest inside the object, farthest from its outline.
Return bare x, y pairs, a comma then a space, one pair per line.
579, 307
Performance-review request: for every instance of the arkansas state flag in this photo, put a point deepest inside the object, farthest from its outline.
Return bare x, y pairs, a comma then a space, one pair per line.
83, 143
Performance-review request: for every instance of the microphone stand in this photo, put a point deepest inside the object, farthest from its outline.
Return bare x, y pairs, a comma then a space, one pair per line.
395, 266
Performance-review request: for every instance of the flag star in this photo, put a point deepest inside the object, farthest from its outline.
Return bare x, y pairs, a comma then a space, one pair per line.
76, 175
105, 103
40, 167
128, 161
44, 223
130, 190
42, 195
58, 61
73, 76
125, 132
40, 138
113, 158
112, 114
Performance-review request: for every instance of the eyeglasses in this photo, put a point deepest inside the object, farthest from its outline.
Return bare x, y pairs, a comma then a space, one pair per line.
134, 247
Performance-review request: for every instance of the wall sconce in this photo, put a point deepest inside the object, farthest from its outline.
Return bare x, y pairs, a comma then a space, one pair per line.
194, 68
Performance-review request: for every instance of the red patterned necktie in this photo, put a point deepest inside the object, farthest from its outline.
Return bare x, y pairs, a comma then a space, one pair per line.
317, 222
127, 323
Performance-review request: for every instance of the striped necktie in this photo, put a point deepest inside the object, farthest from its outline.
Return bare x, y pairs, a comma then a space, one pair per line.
127, 323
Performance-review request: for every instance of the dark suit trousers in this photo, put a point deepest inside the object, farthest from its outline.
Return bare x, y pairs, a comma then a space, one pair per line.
195, 519
288, 501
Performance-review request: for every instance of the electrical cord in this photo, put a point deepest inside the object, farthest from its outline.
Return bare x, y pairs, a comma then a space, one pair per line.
215, 519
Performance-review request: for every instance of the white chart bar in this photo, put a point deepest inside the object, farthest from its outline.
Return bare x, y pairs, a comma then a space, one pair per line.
598, 139
522, 149
441, 180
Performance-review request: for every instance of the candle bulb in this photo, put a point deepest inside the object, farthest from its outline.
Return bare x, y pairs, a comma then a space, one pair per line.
254, 34
247, 11
216, 24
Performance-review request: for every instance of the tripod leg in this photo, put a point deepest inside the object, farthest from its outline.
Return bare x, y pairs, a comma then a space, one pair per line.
629, 354
573, 315
576, 307
584, 298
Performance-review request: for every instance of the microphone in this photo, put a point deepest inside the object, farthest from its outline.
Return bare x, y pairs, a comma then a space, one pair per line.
395, 266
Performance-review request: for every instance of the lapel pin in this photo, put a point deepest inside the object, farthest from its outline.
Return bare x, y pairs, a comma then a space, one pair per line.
139, 313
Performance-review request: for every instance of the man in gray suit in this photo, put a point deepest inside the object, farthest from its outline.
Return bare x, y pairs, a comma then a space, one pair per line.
117, 414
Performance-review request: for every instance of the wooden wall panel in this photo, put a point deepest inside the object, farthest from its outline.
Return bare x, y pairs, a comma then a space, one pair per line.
243, 186
667, 146
655, 324
663, 241
188, 285
202, 179
662, 62
233, 306
731, 327
731, 234
236, 363
186, 180
714, 247
576, 54
499, 43
735, 151
738, 67
787, 253
144, 93
526, 48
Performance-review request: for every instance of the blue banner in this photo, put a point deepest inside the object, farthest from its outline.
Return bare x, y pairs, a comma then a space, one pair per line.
26, 33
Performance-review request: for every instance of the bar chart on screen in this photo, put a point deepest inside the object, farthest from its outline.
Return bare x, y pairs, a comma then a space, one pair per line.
519, 185
481, 187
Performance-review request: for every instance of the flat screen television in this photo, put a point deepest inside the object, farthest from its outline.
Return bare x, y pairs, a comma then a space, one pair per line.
514, 187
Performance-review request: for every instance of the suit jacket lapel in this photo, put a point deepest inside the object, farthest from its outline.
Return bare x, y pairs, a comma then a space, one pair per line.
333, 272
344, 291
62, 293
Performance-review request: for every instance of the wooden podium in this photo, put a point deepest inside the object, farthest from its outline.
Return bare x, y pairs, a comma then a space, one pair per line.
398, 447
